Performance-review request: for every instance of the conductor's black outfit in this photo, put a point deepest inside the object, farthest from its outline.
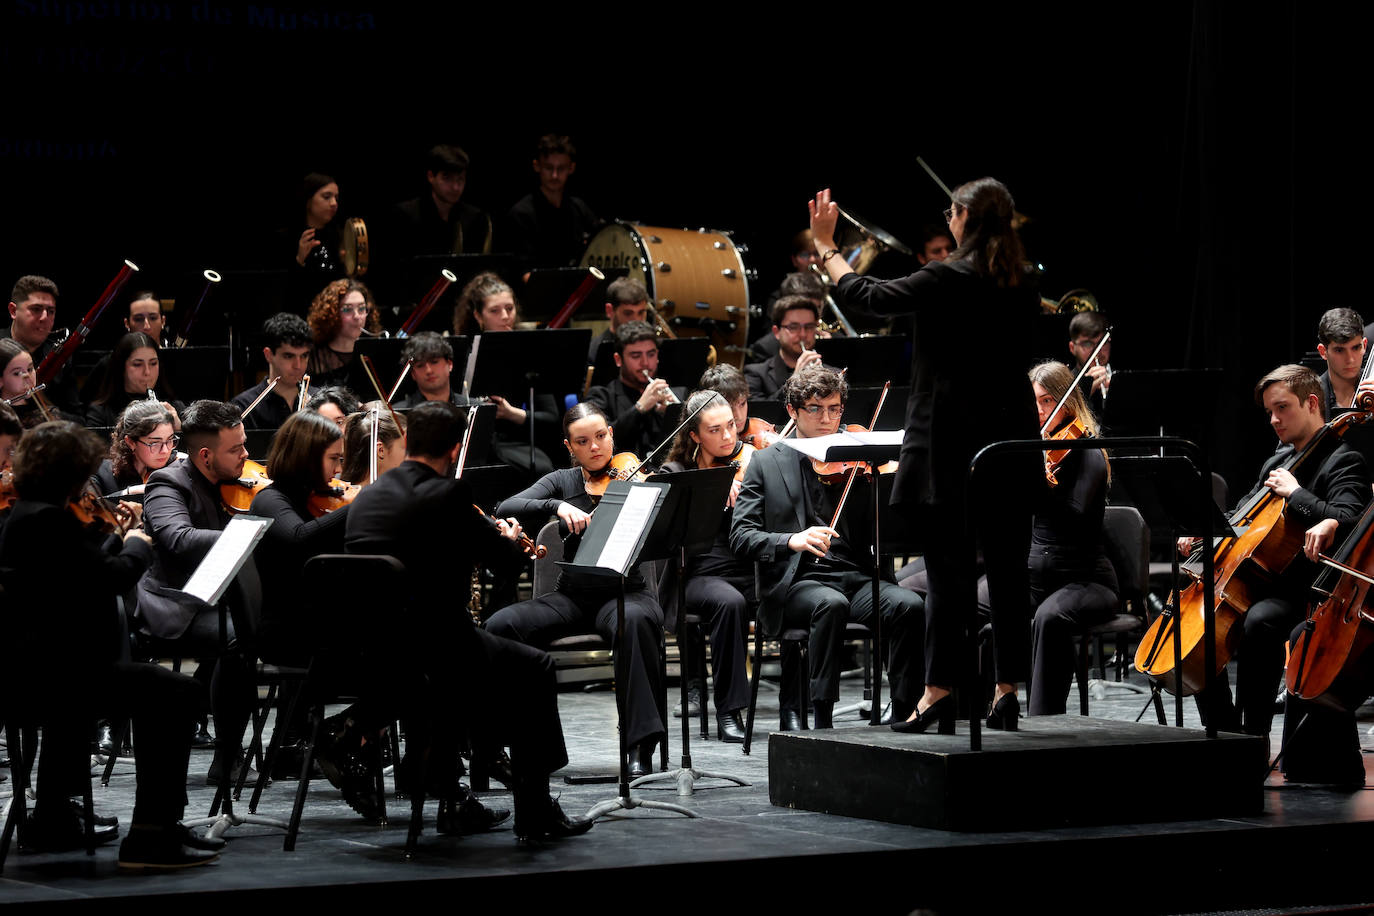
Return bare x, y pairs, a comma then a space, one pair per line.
963, 398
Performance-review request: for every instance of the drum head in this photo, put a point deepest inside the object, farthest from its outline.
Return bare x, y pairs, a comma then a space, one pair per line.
355, 247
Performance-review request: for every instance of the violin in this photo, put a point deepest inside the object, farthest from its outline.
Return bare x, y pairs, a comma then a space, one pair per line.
622, 466
237, 495
92, 512
739, 460
1245, 567
1054, 458
759, 433
334, 496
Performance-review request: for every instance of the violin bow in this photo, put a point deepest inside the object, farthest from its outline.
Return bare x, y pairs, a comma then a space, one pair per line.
258, 400
1087, 364
849, 482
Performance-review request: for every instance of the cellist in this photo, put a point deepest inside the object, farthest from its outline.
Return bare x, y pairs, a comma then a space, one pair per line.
1326, 499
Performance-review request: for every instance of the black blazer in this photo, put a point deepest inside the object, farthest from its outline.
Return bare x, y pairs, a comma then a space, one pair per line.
183, 513
770, 508
766, 378
961, 399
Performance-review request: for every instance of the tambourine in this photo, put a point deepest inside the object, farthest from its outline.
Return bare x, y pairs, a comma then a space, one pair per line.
355, 247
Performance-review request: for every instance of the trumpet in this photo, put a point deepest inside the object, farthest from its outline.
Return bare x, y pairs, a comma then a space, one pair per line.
671, 399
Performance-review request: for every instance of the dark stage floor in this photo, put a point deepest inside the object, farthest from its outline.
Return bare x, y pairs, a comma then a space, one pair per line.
742, 846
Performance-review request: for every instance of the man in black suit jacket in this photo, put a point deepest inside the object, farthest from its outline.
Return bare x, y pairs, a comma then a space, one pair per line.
794, 327
184, 514
505, 692
636, 400
815, 575
1325, 495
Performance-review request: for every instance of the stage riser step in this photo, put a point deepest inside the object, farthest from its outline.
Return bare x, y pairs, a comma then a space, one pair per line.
1056, 771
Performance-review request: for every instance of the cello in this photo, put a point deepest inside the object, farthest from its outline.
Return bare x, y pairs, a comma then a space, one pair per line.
1265, 545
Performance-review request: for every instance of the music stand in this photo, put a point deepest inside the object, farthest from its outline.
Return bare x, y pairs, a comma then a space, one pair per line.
683, 360
604, 369
874, 449
548, 288
698, 495
196, 372
519, 364
858, 408
629, 524
1164, 488
869, 361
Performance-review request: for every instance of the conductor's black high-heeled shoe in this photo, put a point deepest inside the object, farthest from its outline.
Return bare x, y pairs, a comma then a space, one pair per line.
941, 712
1005, 713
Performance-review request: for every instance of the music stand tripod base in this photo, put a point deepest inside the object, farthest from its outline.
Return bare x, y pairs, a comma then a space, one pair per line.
686, 778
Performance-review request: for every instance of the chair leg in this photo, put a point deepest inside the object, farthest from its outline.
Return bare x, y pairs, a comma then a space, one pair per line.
417, 797
804, 683
1082, 675
273, 747
16, 812
88, 807
701, 674
117, 730
303, 787
754, 686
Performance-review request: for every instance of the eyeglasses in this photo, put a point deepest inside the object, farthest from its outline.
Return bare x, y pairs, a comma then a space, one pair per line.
159, 445
353, 310
797, 327
831, 410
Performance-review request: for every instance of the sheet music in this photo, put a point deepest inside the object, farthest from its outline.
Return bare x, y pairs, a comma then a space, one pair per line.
817, 446
629, 528
226, 558
472, 366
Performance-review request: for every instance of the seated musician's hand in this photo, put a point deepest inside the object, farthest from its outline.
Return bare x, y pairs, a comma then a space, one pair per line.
137, 534
134, 509
1186, 546
734, 493
1282, 482
307, 244
655, 397
815, 539
504, 411
1318, 538
508, 528
1101, 378
807, 358
573, 517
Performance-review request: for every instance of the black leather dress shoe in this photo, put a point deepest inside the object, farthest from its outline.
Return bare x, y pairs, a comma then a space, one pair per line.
100, 820
550, 824
789, 720
62, 833
164, 849
641, 759
202, 739
729, 727
466, 815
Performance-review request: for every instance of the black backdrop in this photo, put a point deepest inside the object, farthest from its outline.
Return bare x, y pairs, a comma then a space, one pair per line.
1195, 166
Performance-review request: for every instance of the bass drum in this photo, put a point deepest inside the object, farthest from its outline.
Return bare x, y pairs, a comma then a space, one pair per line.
696, 279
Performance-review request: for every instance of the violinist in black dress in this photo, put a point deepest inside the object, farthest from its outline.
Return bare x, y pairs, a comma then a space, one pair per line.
1073, 585
956, 406
574, 607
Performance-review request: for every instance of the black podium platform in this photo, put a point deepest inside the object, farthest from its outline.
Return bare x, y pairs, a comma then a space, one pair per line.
1056, 771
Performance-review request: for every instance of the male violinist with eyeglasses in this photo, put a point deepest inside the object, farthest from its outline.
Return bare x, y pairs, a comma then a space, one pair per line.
816, 574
